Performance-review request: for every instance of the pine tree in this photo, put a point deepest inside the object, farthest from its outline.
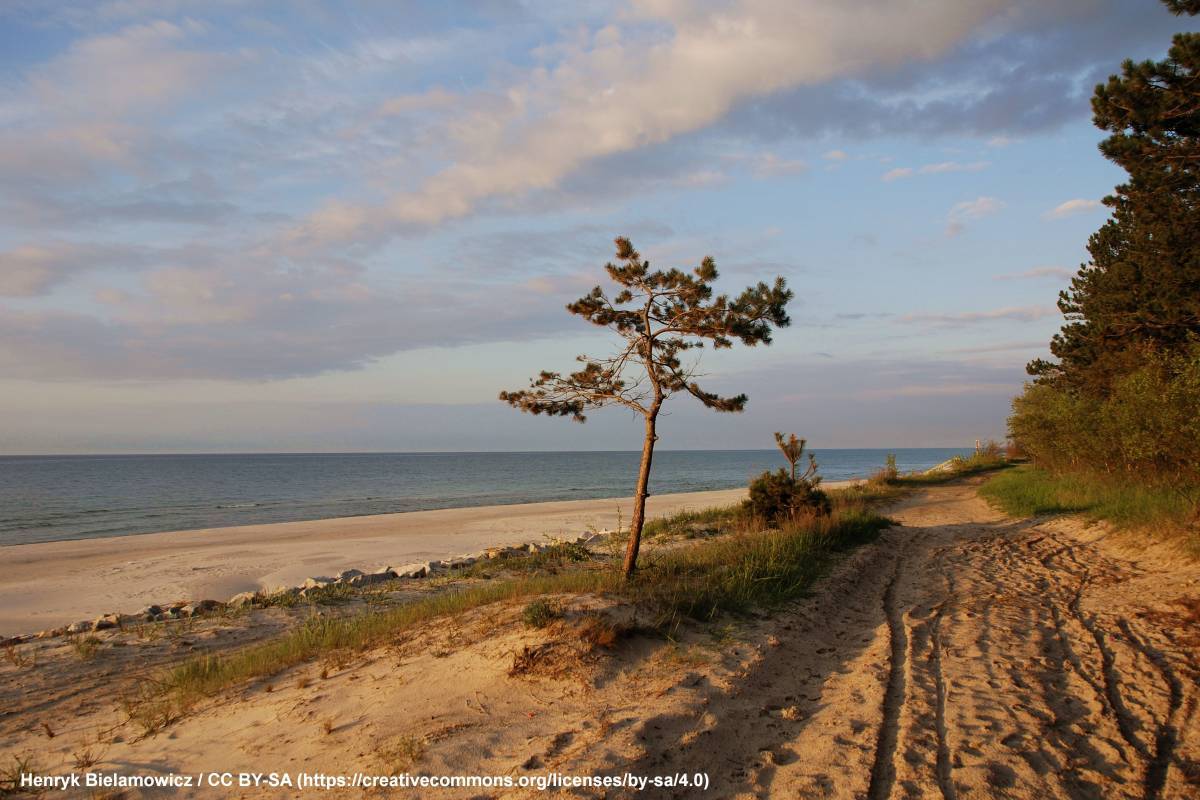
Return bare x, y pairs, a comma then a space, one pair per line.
659, 316
1140, 292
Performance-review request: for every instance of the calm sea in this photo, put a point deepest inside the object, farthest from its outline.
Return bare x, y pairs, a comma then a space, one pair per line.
50, 498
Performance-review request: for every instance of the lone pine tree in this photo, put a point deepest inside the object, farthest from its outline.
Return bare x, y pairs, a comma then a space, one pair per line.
658, 316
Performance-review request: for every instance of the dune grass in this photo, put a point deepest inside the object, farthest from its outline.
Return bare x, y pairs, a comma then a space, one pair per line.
1031, 491
975, 465
750, 568
719, 519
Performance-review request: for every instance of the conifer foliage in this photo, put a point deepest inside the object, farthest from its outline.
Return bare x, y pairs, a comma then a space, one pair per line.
1123, 394
658, 317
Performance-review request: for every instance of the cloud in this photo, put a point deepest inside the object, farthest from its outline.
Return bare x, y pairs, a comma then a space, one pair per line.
34, 269
961, 213
1058, 273
897, 173
769, 165
1003, 347
1020, 314
941, 390
1072, 207
625, 88
935, 169
1028, 71
226, 323
835, 155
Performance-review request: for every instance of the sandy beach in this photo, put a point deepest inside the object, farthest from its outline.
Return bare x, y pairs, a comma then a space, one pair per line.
55, 583
963, 653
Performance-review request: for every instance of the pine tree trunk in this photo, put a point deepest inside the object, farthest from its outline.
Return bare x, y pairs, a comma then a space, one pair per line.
639, 497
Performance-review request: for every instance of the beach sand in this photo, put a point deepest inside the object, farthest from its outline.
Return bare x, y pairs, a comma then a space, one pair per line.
56, 583
963, 653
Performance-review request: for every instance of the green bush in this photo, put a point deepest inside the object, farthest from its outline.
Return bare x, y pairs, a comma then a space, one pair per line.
1146, 428
777, 496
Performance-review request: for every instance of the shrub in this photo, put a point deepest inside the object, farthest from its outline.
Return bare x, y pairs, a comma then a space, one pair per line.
776, 496
886, 474
540, 613
1145, 428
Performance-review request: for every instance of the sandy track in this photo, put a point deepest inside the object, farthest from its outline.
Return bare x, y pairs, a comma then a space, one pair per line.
962, 655
966, 655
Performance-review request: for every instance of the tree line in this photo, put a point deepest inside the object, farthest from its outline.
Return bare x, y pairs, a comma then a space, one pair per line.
1121, 398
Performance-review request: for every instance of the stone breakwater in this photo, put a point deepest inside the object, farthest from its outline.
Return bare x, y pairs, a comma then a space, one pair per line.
312, 587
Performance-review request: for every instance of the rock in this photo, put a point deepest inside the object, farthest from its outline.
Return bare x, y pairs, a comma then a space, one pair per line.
534, 548
50, 633
413, 571
242, 599
316, 583
347, 575
106, 622
458, 562
373, 578
150, 611
206, 607
80, 627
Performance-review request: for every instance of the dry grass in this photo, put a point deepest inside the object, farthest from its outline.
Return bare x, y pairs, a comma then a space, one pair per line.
399, 755
85, 647
21, 659
698, 580
10, 774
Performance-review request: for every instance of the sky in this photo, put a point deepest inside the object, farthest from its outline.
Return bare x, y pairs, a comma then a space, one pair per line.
248, 225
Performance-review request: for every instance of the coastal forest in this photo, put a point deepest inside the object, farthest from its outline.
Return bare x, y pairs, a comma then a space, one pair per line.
1114, 420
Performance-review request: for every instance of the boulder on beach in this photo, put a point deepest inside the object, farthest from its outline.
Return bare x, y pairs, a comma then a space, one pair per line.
80, 627
105, 622
242, 599
347, 575
316, 583
413, 570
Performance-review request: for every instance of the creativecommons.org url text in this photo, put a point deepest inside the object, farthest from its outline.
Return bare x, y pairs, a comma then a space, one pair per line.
325, 781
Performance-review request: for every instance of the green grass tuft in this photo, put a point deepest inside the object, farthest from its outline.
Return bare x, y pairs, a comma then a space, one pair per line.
540, 613
1030, 491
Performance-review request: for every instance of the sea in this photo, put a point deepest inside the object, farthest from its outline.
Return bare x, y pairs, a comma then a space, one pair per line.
56, 498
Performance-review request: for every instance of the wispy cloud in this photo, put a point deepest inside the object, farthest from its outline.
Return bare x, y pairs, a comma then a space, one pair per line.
769, 165
1017, 313
1002, 347
935, 169
1072, 207
1058, 273
940, 390
550, 122
961, 213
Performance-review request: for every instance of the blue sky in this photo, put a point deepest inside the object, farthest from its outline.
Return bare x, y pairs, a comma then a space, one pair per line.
244, 225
